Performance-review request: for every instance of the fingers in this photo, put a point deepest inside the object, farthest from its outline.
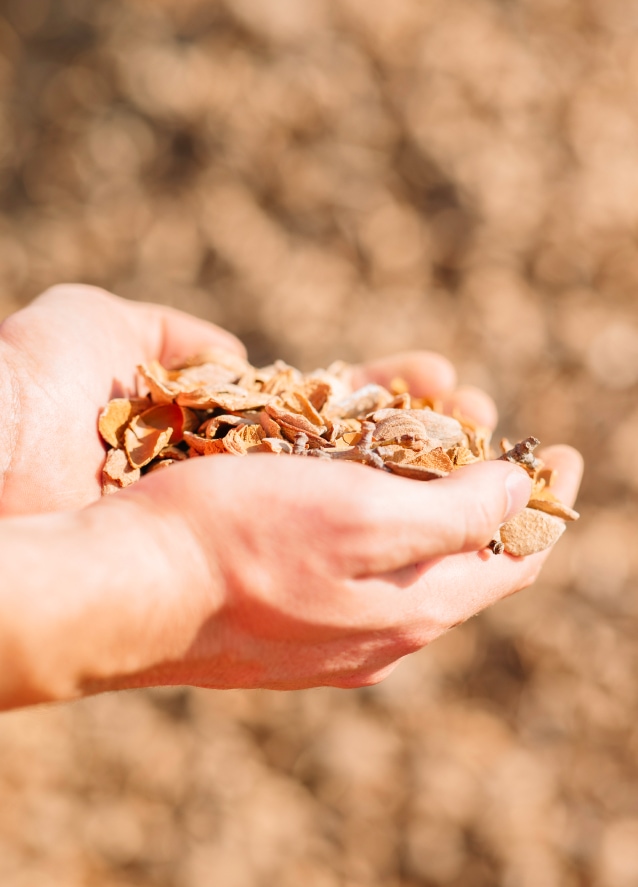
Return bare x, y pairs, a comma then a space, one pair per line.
427, 599
568, 465
360, 521
173, 336
473, 403
396, 522
427, 374
419, 603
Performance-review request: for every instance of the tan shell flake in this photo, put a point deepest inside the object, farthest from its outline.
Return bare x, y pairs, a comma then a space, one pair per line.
401, 402
211, 426
297, 402
116, 415
435, 460
269, 425
317, 392
544, 500
276, 445
546, 475
244, 440
394, 453
231, 398
462, 456
423, 424
362, 401
144, 442
292, 424
478, 437
415, 472
173, 453
170, 415
203, 446
118, 470
161, 389
531, 531
149, 432
287, 378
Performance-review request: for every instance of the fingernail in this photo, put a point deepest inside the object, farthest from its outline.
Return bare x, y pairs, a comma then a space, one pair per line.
518, 485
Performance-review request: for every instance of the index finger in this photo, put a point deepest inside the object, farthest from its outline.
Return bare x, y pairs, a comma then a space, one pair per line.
424, 600
427, 374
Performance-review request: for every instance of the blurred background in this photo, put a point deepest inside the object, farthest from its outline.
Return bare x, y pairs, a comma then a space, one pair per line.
344, 179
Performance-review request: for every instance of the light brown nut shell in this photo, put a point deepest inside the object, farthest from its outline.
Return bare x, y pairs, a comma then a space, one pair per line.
531, 531
415, 472
424, 424
553, 506
116, 415
117, 470
363, 400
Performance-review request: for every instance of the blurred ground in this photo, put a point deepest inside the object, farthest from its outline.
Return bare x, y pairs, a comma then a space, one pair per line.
342, 179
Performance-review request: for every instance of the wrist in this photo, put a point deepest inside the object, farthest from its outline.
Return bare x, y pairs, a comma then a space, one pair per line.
94, 599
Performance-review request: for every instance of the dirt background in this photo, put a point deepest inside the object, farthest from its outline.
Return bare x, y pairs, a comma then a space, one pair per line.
343, 179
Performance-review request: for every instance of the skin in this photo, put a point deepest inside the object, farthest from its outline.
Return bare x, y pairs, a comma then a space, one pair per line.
222, 572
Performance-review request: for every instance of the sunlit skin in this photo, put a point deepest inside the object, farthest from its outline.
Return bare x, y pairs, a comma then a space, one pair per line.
222, 572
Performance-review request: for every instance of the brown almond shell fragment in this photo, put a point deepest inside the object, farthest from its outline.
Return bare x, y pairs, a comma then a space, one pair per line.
462, 456
554, 507
203, 446
116, 415
244, 440
423, 424
156, 378
143, 442
232, 398
436, 460
531, 531
317, 392
171, 415
276, 445
362, 401
415, 472
118, 470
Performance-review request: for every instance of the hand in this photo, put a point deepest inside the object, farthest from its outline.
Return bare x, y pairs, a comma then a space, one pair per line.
290, 573
226, 572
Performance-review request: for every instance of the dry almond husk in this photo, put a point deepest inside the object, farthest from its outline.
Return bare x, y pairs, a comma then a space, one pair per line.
530, 532
218, 404
116, 416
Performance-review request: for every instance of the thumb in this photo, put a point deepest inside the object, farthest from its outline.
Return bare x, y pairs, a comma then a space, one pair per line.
410, 521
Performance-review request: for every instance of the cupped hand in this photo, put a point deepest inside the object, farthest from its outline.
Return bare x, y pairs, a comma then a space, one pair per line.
75, 347
292, 573
62, 358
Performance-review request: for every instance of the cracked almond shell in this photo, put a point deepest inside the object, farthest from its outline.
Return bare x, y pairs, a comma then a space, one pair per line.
531, 531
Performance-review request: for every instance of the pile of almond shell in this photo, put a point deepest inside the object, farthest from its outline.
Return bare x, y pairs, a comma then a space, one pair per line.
218, 404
